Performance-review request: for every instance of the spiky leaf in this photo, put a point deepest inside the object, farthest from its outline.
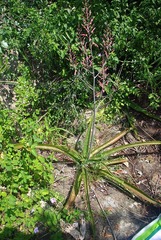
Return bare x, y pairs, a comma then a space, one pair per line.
88, 140
74, 190
127, 187
109, 143
114, 150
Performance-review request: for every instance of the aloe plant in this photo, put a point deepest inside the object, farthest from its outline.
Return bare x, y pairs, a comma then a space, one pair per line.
91, 162
95, 162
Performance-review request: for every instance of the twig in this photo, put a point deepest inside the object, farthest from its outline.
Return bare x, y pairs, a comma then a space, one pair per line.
42, 117
8, 82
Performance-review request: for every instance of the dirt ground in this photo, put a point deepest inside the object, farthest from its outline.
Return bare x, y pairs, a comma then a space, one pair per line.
125, 215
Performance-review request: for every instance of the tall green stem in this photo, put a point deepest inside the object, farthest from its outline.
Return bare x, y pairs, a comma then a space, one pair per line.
94, 94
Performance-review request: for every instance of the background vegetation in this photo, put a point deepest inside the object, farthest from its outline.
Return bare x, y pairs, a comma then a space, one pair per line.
45, 87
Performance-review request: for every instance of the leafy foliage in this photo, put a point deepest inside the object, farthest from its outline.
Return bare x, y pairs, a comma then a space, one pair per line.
25, 179
48, 30
136, 44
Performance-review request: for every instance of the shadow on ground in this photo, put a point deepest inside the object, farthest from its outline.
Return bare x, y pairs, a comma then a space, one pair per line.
123, 226
14, 234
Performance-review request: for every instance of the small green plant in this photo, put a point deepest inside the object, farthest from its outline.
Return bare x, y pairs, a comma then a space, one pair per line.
94, 163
